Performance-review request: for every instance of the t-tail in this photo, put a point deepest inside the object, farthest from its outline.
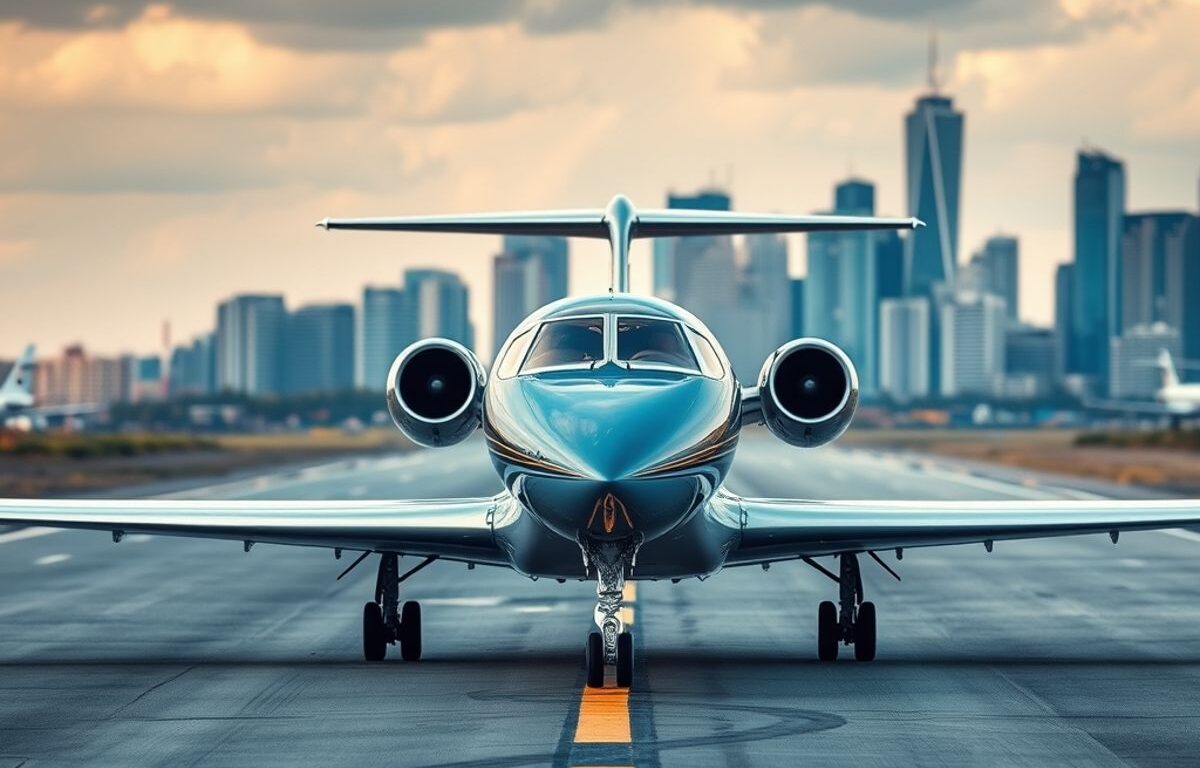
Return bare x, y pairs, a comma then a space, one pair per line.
20, 378
1166, 365
620, 223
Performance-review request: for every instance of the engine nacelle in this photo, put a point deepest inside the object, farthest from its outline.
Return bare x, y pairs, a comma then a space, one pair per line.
808, 392
435, 392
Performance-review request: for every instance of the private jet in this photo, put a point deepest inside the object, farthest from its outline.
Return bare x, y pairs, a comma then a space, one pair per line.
612, 420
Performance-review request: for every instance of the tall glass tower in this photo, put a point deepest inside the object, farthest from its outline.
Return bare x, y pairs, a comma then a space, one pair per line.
1099, 214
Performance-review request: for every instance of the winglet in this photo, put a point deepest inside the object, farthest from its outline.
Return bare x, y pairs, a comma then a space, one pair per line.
323, 223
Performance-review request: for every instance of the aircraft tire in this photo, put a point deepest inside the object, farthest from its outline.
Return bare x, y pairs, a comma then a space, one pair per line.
827, 631
625, 660
864, 633
374, 633
410, 631
594, 658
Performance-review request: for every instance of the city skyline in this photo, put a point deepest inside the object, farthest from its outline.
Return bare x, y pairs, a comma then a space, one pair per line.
201, 173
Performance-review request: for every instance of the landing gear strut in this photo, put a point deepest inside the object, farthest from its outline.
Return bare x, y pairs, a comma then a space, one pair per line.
386, 621
611, 562
851, 623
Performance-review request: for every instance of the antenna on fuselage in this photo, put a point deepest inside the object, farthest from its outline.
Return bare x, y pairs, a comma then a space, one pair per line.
620, 223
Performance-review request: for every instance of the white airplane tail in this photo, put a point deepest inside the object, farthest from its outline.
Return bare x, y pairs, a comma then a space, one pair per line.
620, 223
20, 378
1166, 365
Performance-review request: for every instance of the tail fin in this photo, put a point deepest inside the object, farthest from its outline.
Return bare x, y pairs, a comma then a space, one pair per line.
620, 223
1170, 377
20, 378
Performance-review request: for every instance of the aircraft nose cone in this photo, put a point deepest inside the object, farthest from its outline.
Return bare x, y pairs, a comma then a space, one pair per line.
610, 433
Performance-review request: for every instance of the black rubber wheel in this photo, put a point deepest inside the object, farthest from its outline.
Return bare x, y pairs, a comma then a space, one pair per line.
374, 633
410, 631
594, 657
625, 660
864, 633
828, 631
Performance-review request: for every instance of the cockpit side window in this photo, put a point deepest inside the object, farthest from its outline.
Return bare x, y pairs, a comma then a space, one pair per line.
652, 342
576, 341
508, 365
710, 361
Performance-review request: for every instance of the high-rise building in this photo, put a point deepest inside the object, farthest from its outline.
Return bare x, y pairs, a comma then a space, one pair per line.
933, 140
973, 344
1133, 374
530, 273
666, 276
250, 331
889, 264
193, 368
1096, 311
439, 305
75, 377
842, 303
764, 304
386, 325
797, 285
995, 268
1064, 291
1030, 361
1183, 286
904, 348
1157, 257
320, 349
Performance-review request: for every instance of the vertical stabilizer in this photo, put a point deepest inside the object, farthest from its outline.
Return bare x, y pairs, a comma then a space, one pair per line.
20, 378
1170, 377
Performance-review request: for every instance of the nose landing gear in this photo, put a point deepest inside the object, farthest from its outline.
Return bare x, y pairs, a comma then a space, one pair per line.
611, 562
853, 623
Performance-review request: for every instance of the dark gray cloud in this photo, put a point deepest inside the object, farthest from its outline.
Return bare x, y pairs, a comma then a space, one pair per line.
386, 23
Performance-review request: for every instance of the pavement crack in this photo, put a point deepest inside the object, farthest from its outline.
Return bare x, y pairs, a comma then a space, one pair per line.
151, 690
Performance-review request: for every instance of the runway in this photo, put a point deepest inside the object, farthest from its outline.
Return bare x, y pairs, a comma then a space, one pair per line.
179, 653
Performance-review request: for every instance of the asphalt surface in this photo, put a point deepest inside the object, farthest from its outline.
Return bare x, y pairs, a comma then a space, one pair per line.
177, 653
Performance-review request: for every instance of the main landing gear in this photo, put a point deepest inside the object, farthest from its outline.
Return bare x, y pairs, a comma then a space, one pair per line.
852, 624
611, 562
386, 621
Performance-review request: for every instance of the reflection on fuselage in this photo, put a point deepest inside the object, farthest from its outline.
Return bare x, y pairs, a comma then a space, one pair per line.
614, 450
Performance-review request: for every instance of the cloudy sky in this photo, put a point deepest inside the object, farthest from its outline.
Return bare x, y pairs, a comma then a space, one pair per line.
157, 158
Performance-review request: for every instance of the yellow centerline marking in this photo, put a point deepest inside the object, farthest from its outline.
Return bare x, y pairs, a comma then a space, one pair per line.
604, 716
604, 712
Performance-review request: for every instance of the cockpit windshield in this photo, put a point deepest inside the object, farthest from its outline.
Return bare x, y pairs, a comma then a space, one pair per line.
571, 342
652, 343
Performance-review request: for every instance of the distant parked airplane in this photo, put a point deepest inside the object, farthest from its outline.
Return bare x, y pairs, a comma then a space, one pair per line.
17, 408
1173, 398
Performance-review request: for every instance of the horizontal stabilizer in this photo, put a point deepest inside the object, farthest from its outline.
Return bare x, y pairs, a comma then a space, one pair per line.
620, 223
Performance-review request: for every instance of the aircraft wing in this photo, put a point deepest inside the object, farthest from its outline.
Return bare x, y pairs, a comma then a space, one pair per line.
1134, 406
683, 223
778, 529
456, 529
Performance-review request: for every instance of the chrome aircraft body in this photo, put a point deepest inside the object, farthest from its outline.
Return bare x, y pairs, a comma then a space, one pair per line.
613, 420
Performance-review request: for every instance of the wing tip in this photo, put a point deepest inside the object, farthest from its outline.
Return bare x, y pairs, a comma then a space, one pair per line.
916, 223
323, 224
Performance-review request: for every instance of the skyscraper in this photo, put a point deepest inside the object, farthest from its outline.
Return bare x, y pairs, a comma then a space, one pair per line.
193, 367
666, 276
842, 303
1153, 261
973, 344
1064, 291
250, 332
529, 273
438, 305
1183, 287
320, 349
385, 327
997, 271
764, 307
797, 285
1096, 311
904, 348
933, 140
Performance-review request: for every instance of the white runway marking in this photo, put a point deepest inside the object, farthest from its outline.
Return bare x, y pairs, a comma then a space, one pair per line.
465, 602
52, 559
27, 533
1179, 533
533, 608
